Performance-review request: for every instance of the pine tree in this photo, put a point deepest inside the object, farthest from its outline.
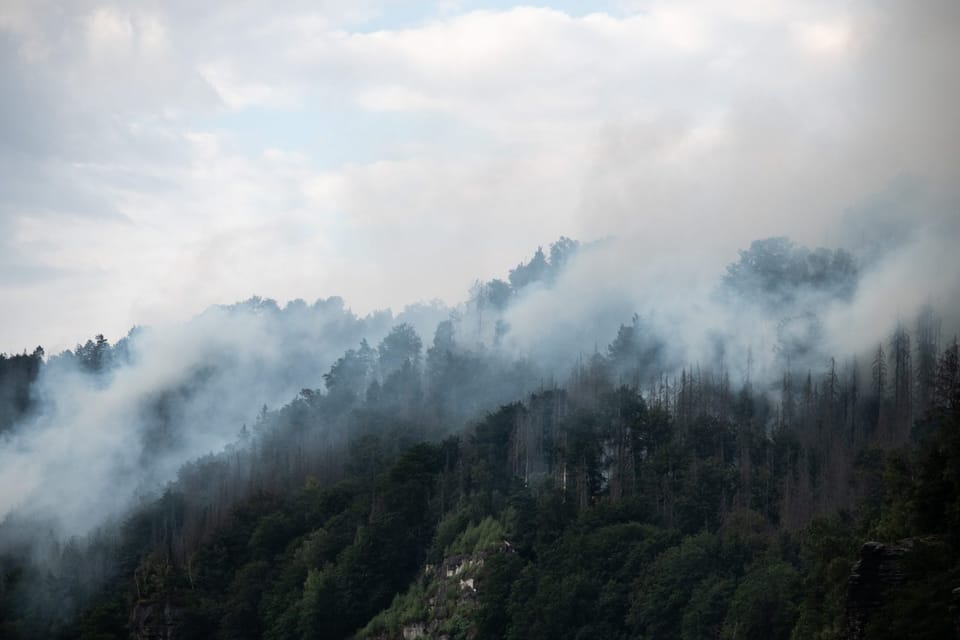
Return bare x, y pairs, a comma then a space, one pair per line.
928, 337
902, 382
880, 373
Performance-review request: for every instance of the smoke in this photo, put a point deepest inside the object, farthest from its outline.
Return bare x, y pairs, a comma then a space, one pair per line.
100, 440
843, 141
899, 245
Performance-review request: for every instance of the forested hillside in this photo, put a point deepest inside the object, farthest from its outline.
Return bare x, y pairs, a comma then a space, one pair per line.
458, 485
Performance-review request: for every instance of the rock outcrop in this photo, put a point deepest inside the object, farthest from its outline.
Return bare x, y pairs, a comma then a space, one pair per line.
155, 620
880, 568
446, 597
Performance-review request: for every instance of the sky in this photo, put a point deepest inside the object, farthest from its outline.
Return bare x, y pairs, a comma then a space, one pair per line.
160, 157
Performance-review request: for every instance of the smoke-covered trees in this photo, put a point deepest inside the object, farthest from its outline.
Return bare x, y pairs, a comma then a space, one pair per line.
927, 345
526, 273
497, 294
17, 374
775, 272
799, 339
94, 355
400, 370
400, 347
880, 373
946, 390
350, 374
637, 352
903, 381
561, 252
539, 269
634, 496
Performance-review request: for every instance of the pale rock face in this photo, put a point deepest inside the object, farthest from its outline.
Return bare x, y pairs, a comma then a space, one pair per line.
414, 631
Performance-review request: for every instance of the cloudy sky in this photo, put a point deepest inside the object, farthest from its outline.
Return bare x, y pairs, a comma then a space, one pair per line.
159, 157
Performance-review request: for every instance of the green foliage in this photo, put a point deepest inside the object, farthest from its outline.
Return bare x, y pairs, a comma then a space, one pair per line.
402, 345
241, 615
449, 529
496, 583
707, 608
103, 622
405, 608
271, 535
318, 603
594, 513
486, 536
661, 596
828, 549
764, 604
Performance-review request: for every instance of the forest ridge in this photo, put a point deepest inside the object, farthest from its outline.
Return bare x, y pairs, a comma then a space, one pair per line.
625, 492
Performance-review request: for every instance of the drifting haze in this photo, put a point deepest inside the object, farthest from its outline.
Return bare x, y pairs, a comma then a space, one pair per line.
97, 441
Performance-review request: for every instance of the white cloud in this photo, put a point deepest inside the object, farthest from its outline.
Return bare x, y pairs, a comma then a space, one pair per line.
828, 38
109, 33
161, 165
397, 98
